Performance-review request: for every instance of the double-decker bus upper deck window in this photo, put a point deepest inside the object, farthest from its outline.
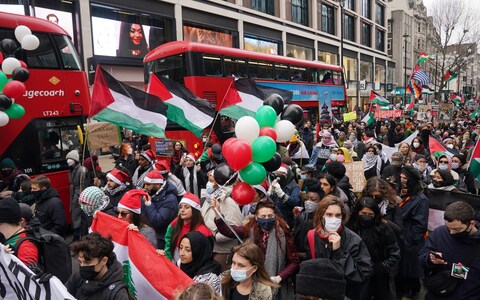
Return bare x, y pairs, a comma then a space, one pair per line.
313, 77
172, 67
282, 72
69, 56
235, 67
212, 65
337, 77
326, 77
298, 73
260, 69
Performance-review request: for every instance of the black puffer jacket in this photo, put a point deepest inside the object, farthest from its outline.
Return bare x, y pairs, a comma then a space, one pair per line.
49, 211
111, 286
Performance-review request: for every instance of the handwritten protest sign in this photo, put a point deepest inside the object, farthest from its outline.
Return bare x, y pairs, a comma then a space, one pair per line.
356, 175
102, 134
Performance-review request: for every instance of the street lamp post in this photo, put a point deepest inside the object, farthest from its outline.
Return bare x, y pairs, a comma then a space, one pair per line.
405, 36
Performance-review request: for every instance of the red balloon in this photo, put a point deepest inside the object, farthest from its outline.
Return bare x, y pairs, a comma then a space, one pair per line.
268, 131
239, 154
14, 89
243, 193
1, 58
226, 146
23, 64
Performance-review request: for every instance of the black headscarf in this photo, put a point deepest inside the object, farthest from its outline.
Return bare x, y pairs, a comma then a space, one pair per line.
202, 256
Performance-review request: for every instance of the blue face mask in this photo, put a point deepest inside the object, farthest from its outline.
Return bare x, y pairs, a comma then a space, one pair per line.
239, 275
266, 224
210, 189
303, 177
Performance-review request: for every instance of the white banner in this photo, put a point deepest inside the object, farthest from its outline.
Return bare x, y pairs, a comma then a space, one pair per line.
16, 282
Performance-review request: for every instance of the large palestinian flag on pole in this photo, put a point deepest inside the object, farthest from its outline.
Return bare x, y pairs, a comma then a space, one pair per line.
147, 275
376, 98
184, 108
115, 102
474, 166
437, 149
248, 98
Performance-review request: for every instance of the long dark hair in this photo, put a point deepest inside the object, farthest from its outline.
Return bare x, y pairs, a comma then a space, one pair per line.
331, 181
281, 228
377, 184
195, 221
139, 220
126, 46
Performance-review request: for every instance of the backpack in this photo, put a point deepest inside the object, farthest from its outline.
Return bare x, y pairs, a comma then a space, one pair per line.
53, 252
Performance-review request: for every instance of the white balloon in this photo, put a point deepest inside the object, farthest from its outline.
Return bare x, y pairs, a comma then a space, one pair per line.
9, 64
22, 31
247, 128
3, 119
30, 42
285, 130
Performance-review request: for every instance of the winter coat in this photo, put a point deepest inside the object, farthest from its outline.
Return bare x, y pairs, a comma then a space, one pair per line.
415, 221
77, 178
111, 286
162, 211
454, 250
130, 164
259, 291
352, 255
289, 200
50, 212
468, 179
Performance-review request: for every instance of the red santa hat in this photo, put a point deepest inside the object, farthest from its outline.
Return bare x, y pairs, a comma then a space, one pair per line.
148, 155
262, 187
192, 156
154, 177
283, 168
192, 200
132, 201
118, 176
162, 166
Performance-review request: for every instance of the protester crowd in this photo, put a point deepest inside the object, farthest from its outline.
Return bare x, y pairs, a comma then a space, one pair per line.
305, 235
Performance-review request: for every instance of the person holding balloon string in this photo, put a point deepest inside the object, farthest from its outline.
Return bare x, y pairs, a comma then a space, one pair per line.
272, 234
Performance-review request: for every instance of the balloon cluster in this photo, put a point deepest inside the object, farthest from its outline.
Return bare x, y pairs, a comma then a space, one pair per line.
254, 150
14, 73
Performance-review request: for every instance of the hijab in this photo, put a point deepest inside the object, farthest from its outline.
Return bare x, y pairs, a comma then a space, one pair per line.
202, 256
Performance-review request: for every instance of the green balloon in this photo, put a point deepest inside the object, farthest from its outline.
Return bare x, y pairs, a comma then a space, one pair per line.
3, 80
266, 116
263, 149
15, 111
253, 174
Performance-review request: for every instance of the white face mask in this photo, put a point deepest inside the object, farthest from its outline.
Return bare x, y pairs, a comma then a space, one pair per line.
311, 206
450, 146
443, 167
129, 151
332, 224
333, 157
70, 162
455, 165
416, 145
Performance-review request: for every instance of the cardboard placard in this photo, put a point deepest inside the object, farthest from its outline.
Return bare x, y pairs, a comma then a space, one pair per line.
349, 116
102, 135
396, 113
445, 111
356, 175
424, 113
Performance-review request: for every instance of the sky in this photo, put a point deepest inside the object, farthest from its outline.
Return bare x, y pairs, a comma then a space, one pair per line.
468, 3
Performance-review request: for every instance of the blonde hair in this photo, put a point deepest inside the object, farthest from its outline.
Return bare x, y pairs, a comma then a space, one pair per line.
198, 291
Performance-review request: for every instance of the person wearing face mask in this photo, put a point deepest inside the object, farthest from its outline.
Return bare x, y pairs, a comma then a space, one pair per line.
161, 207
442, 180
322, 150
126, 159
444, 163
272, 234
248, 279
10, 177
366, 221
372, 163
458, 241
417, 147
349, 146
420, 163
285, 192
77, 177
391, 173
100, 275
450, 144
414, 209
459, 165
330, 239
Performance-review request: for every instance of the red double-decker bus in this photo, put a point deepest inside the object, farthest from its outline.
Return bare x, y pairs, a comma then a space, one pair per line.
56, 104
208, 71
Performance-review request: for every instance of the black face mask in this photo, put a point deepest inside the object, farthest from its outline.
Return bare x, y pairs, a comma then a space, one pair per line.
378, 199
88, 272
152, 192
7, 172
437, 183
366, 220
38, 194
461, 235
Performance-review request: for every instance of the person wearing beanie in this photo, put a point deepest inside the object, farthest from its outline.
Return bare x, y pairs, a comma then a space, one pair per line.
77, 176
322, 150
190, 174
338, 171
146, 160
126, 159
459, 165
129, 209
443, 180
49, 207
164, 168
414, 209
285, 192
444, 162
189, 219
391, 173
327, 284
118, 183
10, 177
162, 206
93, 170
13, 231
421, 164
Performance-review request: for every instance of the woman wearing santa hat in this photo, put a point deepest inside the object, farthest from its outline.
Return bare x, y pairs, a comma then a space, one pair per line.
129, 209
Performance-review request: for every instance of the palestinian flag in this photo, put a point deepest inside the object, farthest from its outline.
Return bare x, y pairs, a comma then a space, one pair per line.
449, 76
426, 90
147, 275
456, 99
437, 149
475, 114
115, 102
377, 99
370, 116
248, 98
424, 57
184, 108
409, 107
474, 165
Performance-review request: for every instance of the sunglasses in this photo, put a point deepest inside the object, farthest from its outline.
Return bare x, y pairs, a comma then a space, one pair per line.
443, 162
123, 213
